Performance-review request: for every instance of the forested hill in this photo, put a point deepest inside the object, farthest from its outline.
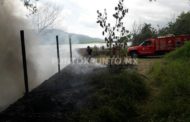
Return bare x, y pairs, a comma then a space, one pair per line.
48, 37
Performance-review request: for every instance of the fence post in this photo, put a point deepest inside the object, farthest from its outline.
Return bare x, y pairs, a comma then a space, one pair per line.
70, 43
24, 62
58, 57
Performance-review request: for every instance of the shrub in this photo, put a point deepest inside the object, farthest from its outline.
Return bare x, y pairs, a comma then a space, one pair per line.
117, 98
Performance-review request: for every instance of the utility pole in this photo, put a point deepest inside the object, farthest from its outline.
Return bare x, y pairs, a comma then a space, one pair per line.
24, 62
58, 57
70, 43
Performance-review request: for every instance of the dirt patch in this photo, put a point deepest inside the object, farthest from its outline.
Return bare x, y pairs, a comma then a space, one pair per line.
145, 64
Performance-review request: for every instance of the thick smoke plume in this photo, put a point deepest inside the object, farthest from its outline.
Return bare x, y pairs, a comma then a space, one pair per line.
41, 59
11, 71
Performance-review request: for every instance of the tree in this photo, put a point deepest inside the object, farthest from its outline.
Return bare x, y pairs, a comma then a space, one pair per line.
29, 4
136, 28
180, 26
45, 17
147, 31
113, 32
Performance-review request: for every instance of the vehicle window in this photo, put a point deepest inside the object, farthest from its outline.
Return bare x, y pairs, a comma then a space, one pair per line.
146, 43
142, 43
149, 42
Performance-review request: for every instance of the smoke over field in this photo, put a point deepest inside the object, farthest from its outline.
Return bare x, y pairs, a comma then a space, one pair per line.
41, 59
11, 72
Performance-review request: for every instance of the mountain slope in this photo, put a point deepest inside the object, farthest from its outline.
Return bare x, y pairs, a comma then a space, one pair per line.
49, 37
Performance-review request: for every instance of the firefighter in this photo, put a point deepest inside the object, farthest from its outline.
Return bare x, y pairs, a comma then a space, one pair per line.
89, 52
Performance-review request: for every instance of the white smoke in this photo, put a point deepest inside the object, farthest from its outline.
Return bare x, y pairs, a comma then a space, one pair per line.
11, 71
41, 59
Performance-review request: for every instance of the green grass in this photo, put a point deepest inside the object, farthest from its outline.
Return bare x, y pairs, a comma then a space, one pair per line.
172, 79
116, 98
128, 97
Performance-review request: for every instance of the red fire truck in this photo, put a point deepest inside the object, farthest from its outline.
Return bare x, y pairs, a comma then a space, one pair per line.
158, 46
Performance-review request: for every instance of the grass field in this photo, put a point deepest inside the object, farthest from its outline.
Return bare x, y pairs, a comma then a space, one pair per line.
172, 80
167, 96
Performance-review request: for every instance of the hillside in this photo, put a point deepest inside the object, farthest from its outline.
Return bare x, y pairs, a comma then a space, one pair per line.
171, 82
49, 37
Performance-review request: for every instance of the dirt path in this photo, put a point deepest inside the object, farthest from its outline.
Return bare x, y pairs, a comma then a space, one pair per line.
56, 98
145, 64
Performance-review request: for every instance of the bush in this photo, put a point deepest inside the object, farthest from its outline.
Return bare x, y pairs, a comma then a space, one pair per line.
182, 53
117, 98
172, 78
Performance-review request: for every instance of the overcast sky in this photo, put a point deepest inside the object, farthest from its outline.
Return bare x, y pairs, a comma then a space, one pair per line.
79, 16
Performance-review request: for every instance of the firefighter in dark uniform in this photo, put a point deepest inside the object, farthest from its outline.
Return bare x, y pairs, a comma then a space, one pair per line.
89, 52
